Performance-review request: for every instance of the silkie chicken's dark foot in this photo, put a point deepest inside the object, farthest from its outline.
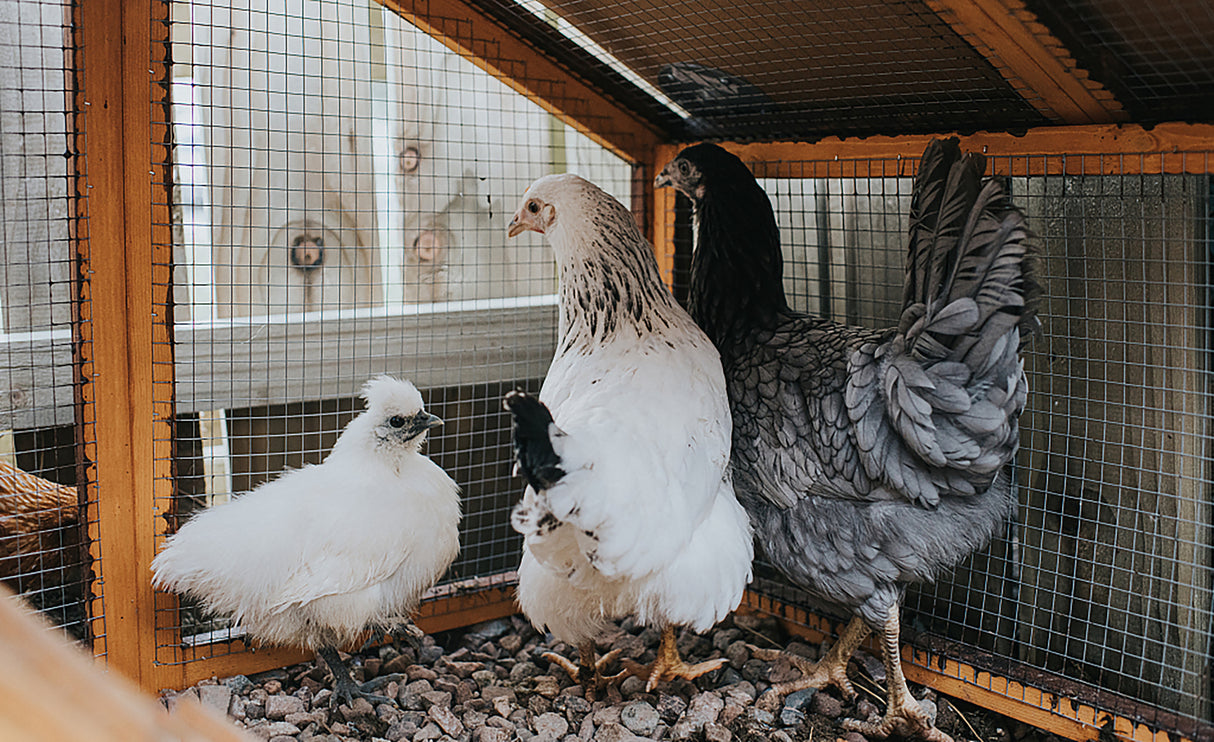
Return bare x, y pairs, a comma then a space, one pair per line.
588, 671
830, 670
903, 715
669, 665
402, 630
345, 690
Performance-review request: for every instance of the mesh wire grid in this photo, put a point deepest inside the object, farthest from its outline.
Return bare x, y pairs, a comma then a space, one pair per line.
341, 188
1157, 58
767, 69
44, 518
1102, 589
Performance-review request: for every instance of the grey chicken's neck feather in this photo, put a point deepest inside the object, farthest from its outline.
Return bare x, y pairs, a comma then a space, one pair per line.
609, 283
737, 268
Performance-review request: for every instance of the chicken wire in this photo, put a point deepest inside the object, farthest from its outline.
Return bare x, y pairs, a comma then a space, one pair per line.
1156, 58
341, 188
1102, 589
43, 517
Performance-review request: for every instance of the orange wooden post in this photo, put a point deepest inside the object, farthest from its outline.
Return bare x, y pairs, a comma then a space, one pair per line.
114, 65
663, 214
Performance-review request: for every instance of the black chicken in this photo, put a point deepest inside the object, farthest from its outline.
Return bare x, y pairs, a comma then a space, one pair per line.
869, 459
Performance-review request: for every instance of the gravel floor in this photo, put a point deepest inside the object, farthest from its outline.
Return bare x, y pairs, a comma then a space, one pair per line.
488, 683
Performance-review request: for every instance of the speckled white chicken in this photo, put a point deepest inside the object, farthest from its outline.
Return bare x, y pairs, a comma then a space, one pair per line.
630, 508
319, 555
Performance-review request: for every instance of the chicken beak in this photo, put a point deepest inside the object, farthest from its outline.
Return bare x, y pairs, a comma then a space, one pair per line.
663, 178
420, 423
519, 224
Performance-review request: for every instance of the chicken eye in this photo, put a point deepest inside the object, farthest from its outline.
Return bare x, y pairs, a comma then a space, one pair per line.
396, 421
683, 167
533, 207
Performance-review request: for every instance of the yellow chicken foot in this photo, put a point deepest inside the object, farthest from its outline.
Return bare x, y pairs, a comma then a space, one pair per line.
669, 665
830, 670
588, 671
903, 716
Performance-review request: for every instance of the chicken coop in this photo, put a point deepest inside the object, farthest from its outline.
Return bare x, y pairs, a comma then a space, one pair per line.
219, 221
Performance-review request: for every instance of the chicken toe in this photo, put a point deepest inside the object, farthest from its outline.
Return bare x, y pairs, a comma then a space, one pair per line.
669, 665
345, 690
588, 671
830, 670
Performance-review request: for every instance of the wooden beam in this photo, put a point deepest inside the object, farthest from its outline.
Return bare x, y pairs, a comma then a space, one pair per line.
1034, 706
663, 214
116, 212
1103, 149
449, 607
1031, 59
468, 31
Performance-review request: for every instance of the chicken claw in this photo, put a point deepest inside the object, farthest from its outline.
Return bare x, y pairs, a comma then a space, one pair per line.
907, 720
588, 671
830, 670
345, 690
669, 665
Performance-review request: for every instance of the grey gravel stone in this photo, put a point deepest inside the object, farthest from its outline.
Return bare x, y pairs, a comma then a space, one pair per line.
238, 683
612, 732
716, 733
401, 729
491, 734
790, 717
670, 708
429, 655
800, 700
269, 729
550, 727
215, 697
430, 731
446, 719
436, 698
761, 716
277, 707
826, 705
607, 715
640, 718
703, 709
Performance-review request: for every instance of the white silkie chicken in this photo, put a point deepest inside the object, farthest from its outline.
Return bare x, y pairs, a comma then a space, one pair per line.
319, 555
630, 508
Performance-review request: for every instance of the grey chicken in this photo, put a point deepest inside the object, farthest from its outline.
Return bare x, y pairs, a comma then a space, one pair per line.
869, 459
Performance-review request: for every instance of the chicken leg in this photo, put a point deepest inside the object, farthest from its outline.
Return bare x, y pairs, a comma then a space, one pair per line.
345, 690
903, 714
588, 671
669, 665
830, 670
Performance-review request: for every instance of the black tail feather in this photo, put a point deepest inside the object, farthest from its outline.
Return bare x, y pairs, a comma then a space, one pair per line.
530, 434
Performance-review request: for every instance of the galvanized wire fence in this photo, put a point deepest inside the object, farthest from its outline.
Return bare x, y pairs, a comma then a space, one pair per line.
343, 184
1103, 588
44, 518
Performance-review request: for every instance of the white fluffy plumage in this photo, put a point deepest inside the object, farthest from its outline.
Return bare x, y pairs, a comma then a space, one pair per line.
320, 554
643, 519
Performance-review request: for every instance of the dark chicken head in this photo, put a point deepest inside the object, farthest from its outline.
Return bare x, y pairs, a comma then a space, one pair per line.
702, 167
684, 176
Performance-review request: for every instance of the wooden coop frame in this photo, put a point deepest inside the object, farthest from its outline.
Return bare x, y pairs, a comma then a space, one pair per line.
123, 228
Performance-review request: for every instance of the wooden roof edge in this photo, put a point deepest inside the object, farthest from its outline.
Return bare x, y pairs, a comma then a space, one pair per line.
1089, 139
468, 31
1032, 60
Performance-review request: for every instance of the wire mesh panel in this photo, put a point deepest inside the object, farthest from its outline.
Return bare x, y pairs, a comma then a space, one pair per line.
43, 519
1102, 588
342, 185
